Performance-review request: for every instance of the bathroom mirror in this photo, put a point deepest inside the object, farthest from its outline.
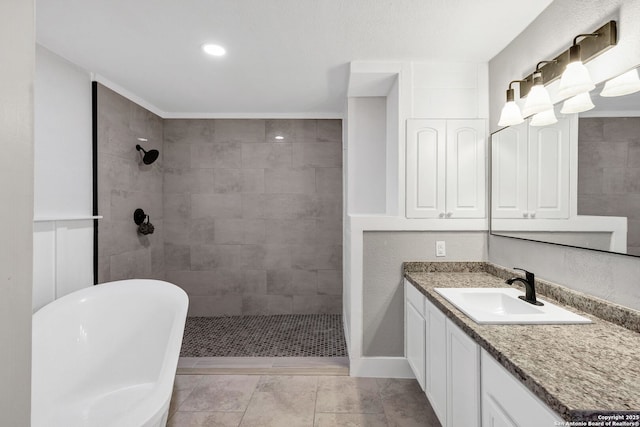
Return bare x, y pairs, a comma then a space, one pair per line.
573, 183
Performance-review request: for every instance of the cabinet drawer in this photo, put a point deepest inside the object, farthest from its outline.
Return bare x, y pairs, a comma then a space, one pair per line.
415, 297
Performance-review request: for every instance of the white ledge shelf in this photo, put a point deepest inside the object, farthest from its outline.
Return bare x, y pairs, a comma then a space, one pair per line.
65, 218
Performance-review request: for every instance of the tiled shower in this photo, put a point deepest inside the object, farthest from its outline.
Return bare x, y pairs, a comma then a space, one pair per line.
247, 212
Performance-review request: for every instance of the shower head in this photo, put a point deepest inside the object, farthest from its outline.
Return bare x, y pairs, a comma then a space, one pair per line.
149, 156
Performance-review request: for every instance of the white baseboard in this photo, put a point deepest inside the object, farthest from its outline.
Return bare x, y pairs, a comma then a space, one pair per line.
380, 367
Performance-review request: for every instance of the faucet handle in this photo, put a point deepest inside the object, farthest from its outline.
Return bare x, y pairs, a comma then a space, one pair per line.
529, 275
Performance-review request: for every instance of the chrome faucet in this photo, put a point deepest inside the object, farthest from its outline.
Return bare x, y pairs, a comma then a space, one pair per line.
529, 286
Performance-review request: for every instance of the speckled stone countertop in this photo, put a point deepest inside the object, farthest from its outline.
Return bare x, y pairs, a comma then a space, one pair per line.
579, 371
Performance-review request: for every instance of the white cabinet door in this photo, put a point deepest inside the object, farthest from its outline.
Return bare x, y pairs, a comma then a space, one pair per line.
415, 339
509, 152
466, 171
436, 361
494, 416
549, 170
463, 372
507, 402
426, 159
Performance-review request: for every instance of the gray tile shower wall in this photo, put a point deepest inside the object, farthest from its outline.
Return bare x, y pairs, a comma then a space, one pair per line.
253, 224
609, 171
124, 184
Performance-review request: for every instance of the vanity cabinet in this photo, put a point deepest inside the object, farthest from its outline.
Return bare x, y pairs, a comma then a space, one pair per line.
448, 364
531, 168
508, 403
415, 333
446, 174
465, 385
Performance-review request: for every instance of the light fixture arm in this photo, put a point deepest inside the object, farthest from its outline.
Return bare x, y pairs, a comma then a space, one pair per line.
510, 91
575, 39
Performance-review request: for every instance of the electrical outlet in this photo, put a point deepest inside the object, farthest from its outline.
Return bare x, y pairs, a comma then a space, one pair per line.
441, 249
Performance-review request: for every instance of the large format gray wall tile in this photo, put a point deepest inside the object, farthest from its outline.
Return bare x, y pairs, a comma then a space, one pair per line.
124, 184
245, 223
253, 221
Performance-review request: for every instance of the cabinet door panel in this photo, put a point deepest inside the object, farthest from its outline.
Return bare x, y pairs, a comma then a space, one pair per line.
425, 168
415, 343
436, 361
549, 170
466, 169
463, 369
494, 416
509, 172
516, 403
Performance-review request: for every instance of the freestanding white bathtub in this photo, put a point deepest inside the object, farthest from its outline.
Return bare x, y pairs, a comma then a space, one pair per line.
107, 355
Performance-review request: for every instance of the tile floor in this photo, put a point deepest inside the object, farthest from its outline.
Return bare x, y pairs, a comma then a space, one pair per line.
298, 401
287, 335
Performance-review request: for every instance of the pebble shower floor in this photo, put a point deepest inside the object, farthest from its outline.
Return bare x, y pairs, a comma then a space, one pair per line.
290, 335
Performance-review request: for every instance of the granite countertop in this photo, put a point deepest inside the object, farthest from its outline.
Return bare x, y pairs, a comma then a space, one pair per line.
579, 371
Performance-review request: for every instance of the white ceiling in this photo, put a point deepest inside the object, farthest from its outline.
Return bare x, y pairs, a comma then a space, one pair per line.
285, 57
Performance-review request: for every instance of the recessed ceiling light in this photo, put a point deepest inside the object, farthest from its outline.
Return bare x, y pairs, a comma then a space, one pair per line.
214, 49
279, 137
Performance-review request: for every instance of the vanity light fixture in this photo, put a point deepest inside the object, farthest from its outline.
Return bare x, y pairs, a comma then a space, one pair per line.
279, 137
577, 104
511, 114
538, 99
624, 84
569, 63
547, 117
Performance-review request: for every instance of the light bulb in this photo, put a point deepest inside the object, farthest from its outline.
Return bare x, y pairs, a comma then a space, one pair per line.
577, 104
624, 84
510, 115
544, 118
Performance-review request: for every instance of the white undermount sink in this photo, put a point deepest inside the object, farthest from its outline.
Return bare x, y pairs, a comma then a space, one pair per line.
502, 306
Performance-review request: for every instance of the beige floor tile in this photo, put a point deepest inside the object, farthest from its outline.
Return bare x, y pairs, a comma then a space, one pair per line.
183, 385
405, 404
350, 420
205, 419
280, 409
287, 384
348, 395
221, 393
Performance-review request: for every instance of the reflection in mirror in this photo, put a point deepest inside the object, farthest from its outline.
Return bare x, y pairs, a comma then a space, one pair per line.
576, 182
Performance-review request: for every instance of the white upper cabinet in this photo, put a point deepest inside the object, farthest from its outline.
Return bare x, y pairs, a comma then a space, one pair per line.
531, 169
446, 168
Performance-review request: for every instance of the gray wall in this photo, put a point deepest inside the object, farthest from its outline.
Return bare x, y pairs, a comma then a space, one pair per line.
124, 184
254, 224
613, 277
17, 44
384, 253
609, 171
